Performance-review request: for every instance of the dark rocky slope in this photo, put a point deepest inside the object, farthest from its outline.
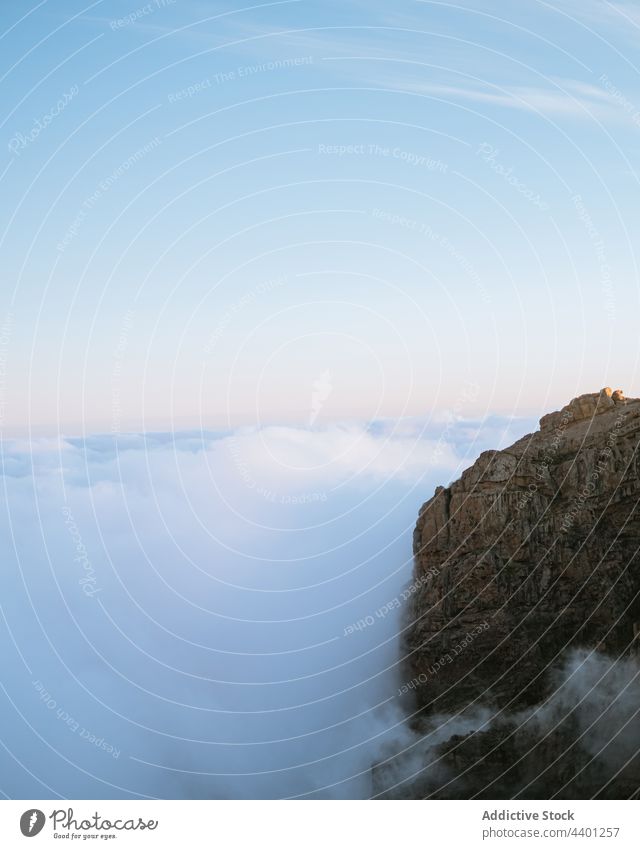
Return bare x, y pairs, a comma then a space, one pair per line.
527, 575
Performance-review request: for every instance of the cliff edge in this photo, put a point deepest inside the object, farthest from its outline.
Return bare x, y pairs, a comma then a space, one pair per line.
526, 582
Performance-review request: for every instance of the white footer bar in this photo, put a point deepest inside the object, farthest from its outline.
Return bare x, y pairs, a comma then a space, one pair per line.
325, 825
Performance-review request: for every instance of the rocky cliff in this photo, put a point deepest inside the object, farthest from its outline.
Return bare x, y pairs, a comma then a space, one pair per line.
526, 584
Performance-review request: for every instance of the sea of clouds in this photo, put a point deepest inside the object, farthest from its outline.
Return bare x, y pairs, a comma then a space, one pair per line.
178, 609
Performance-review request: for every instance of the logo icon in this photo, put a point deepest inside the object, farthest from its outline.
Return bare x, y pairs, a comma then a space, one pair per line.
32, 822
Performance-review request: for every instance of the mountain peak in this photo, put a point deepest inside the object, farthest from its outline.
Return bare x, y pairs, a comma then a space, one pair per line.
586, 406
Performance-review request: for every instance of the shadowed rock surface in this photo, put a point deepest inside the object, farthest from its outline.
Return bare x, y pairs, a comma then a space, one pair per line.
527, 575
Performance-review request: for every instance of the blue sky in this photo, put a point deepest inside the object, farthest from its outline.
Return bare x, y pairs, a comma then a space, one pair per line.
269, 275
232, 201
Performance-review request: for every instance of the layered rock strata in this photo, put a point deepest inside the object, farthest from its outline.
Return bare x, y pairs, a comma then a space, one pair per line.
531, 556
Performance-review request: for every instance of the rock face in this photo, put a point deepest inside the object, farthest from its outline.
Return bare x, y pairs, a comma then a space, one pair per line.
532, 556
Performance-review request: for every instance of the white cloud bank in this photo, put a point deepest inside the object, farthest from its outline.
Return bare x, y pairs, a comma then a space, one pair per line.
175, 606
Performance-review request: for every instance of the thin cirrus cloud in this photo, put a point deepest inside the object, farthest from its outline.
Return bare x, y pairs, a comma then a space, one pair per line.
566, 98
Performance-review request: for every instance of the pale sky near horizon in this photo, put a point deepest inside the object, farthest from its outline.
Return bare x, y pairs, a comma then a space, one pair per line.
216, 215
394, 233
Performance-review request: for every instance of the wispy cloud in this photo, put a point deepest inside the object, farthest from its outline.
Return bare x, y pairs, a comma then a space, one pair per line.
565, 97
569, 98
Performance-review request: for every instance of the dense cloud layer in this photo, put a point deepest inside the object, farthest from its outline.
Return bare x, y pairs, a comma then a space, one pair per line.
181, 611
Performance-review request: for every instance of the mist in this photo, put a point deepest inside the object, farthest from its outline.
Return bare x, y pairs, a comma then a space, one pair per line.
590, 719
213, 615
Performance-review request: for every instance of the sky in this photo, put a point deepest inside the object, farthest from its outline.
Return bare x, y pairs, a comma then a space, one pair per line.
270, 274
219, 216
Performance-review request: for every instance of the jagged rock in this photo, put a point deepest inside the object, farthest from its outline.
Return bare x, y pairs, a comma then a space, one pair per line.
540, 542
